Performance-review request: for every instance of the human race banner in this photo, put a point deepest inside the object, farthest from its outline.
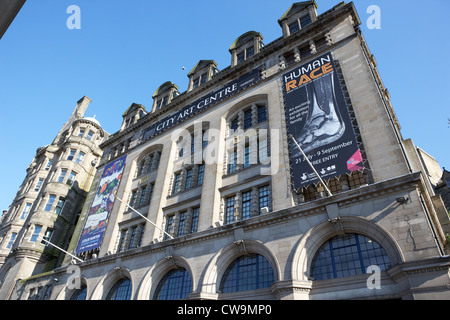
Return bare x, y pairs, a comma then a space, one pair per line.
97, 220
317, 117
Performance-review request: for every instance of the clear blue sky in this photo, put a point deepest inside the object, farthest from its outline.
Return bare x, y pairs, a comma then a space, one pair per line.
126, 49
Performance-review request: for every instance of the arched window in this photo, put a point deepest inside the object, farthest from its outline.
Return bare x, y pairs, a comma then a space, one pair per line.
248, 272
348, 255
79, 294
176, 284
120, 291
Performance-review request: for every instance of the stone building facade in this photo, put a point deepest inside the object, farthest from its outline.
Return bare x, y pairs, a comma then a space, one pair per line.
204, 206
49, 201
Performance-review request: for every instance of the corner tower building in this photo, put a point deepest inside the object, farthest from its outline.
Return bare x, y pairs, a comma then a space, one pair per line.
282, 176
47, 206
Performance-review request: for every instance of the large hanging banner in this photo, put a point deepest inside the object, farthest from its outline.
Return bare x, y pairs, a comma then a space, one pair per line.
317, 117
97, 220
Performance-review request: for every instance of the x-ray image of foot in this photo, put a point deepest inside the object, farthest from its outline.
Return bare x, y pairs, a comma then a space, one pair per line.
324, 124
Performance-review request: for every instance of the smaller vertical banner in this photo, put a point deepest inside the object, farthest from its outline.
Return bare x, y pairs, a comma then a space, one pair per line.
97, 220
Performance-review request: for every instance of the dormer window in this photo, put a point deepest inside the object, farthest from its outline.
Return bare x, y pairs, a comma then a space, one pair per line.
245, 47
164, 95
132, 115
298, 16
201, 73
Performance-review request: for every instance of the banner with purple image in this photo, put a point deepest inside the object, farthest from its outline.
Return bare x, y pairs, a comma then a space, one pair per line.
97, 220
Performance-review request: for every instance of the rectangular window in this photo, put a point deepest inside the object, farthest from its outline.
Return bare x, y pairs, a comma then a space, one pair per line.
264, 198
39, 184
80, 158
71, 154
229, 209
49, 164
201, 173
234, 124
62, 175
304, 21
59, 206
11, 240
203, 78
196, 82
141, 235
194, 224
47, 236
36, 232
121, 240
232, 165
133, 198
81, 133
250, 52
247, 157
169, 226
247, 119
188, 179
142, 198
262, 114
90, 135
72, 178
181, 224
150, 164
49, 204
246, 205
293, 27
176, 183
241, 57
25, 211
132, 237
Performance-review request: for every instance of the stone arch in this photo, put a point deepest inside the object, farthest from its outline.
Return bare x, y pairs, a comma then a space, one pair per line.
308, 245
157, 272
259, 98
217, 266
107, 282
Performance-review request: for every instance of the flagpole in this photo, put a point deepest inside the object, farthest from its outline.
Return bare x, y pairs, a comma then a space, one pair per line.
144, 217
63, 250
310, 164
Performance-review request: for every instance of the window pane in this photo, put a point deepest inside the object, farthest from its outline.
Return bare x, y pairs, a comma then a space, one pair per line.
229, 210
305, 21
62, 175
80, 294
49, 204
120, 291
194, 224
264, 198
181, 224
249, 272
175, 285
36, 232
247, 119
293, 27
201, 172
348, 255
176, 183
71, 154
246, 205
